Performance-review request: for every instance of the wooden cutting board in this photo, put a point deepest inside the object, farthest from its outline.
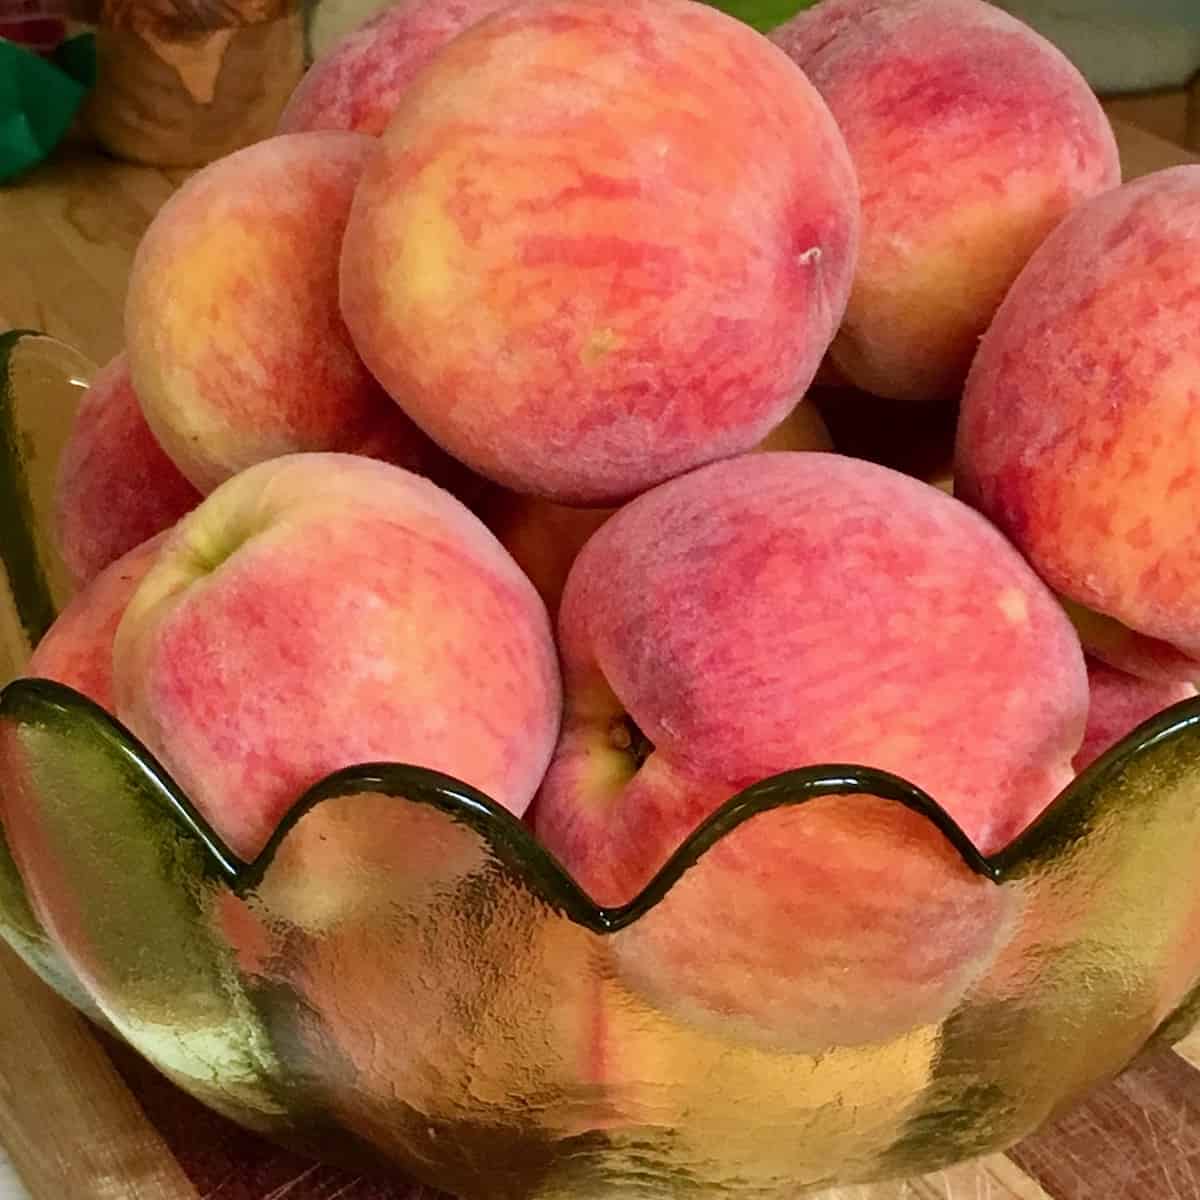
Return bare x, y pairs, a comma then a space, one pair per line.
83, 1119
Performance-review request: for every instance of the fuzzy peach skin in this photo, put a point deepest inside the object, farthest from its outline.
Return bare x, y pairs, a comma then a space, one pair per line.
1080, 427
357, 84
323, 610
78, 648
973, 137
235, 345
544, 538
1130, 653
115, 486
1118, 704
604, 241
784, 610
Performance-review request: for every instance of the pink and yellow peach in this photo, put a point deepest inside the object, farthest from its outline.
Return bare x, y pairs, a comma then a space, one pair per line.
235, 345
973, 137
323, 610
1080, 427
1118, 703
78, 648
115, 487
782, 610
358, 83
603, 241
544, 538
1128, 652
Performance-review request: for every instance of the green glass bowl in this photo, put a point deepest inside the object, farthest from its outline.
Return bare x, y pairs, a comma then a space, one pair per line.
405, 976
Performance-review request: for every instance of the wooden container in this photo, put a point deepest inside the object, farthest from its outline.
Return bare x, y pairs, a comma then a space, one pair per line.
183, 82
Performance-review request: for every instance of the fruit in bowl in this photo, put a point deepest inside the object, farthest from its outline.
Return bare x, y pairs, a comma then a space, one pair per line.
77, 650
1118, 703
405, 957
809, 855
772, 612
101, 513
307, 569
1076, 433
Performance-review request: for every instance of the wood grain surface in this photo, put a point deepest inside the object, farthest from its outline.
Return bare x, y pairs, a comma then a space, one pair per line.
85, 1120
56, 1077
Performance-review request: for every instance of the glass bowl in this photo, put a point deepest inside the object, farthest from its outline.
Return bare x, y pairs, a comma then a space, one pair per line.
405, 977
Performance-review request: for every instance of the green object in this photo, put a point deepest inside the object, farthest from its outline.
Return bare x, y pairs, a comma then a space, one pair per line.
39, 100
77, 56
20, 927
764, 15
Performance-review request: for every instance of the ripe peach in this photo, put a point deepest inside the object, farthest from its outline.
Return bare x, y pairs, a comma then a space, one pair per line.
783, 610
603, 241
1080, 427
802, 429
544, 538
358, 82
235, 344
115, 487
78, 648
1118, 704
1117, 646
973, 137
323, 610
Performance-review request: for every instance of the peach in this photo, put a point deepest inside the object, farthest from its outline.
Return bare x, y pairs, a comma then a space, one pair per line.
115, 486
236, 348
783, 610
323, 610
1117, 646
1080, 427
802, 429
603, 241
358, 82
973, 137
544, 538
1118, 704
78, 648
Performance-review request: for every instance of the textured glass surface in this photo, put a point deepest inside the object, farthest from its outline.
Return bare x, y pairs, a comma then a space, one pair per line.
404, 973
41, 383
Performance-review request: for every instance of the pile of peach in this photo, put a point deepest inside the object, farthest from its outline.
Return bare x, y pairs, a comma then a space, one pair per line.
519, 318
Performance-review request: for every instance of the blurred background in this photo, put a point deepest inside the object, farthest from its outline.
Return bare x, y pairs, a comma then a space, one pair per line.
181, 82
1144, 54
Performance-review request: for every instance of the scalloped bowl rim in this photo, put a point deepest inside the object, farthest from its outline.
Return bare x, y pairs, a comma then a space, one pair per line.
30, 700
